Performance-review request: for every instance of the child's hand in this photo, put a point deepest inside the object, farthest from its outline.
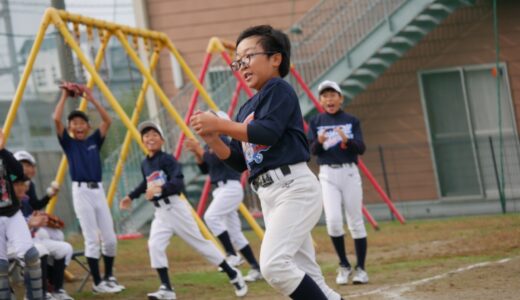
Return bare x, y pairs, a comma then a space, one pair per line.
152, 191
38, 220
125, 203
86, 91
192, 145
204, 123
343, 136
322, 137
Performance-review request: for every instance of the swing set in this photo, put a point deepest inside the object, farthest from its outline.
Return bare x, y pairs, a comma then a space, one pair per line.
153, 41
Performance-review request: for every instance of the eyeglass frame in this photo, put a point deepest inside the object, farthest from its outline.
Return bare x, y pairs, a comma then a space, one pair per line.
241, 62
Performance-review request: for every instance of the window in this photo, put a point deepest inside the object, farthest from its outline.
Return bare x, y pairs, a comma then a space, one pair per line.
40, 77
464, 125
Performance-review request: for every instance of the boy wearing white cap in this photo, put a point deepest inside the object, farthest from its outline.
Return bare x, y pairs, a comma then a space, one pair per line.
336, 139
162, 184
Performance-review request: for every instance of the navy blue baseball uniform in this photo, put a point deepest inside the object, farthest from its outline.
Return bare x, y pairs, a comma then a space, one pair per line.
276, 156
341, 184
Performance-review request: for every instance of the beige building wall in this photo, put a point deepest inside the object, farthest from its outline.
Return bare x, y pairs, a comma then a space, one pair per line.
391, 111
191, 23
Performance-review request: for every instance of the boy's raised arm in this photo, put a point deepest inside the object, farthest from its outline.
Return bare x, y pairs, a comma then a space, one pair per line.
58, 113
106, 120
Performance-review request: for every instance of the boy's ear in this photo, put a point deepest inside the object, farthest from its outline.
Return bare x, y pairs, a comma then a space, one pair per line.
277, 59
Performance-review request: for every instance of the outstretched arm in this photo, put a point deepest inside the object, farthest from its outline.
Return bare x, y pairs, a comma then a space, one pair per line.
58, 113
106, 120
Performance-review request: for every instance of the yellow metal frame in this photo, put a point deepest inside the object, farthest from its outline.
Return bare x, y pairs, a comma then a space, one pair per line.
58, 18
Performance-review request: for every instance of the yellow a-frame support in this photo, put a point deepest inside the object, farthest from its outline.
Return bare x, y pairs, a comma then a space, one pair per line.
58, 18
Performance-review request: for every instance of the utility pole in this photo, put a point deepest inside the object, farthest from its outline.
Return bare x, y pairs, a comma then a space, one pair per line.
65, 57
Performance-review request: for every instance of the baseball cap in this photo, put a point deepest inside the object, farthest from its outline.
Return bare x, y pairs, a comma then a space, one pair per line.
24, 155
78, 114
23, 178
149, 124
327, 84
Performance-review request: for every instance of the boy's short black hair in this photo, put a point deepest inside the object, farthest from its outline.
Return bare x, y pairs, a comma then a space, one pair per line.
78, 114
148, 129
272, 40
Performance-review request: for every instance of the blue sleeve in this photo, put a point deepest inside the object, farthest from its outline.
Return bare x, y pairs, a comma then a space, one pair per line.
140, 189
175, 183
34, 202
356, 145
98, 138
203, 167
277, 104
312, 135
236, 159
65, 140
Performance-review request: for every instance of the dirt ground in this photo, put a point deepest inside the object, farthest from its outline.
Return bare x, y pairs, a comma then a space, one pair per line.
459, 258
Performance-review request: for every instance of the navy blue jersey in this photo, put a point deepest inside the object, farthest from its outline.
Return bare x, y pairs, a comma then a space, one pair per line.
32, 202
10, 170
161, 169
331, 151
83, 156
274, 129
217, 170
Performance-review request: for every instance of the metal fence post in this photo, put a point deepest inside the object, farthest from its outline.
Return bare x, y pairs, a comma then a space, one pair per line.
499, 185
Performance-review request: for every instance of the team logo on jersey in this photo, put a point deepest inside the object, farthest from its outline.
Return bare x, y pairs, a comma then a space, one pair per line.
253, 152
92, 147
333, 137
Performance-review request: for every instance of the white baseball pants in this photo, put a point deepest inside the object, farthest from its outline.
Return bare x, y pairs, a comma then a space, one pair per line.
343, 192
95, 220
55, 249
176, 218
14, 230
222, 213
291, 206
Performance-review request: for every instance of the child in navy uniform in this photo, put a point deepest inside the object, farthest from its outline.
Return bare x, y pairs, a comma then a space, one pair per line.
14, 230
49, 241
336, 139
222, 216
268, 139
88, 195
162, 184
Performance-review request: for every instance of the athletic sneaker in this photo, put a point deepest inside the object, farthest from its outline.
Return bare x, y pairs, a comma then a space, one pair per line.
239, 284
253, 275
114, 282
62, 295
105, 287
360, 276
234, 260
343, 274
163, 293
49, 296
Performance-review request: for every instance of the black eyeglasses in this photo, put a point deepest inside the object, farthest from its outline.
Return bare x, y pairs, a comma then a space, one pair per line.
246, 60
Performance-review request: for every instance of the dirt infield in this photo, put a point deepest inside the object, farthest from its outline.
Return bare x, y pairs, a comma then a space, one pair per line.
460, 258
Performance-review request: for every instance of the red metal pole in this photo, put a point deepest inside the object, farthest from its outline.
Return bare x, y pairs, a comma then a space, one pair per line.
370, 219
204, 197
380, 191
193, 102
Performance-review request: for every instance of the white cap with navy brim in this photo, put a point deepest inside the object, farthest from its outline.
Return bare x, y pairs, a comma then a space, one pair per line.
328, 84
